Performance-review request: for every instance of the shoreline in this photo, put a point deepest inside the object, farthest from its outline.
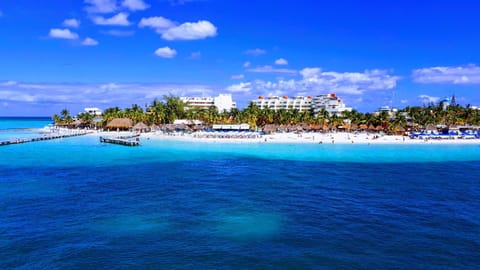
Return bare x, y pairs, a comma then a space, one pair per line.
301, 138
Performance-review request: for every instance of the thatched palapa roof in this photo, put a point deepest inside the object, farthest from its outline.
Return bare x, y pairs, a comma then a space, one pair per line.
123, 123
140, 126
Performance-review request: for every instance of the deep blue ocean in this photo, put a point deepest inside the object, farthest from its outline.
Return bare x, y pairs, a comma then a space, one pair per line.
77, 204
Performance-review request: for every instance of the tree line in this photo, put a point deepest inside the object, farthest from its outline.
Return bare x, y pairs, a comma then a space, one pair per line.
165, 111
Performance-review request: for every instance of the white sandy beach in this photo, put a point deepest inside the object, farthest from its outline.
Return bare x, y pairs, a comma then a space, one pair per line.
313, 138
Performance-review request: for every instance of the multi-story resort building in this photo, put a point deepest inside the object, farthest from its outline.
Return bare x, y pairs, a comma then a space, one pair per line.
223, 102
93, 111
329, 102
278, 103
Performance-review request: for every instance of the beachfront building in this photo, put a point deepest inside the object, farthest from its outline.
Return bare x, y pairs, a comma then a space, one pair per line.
223, 102
286, 103
330, 103
392, 112
93, 111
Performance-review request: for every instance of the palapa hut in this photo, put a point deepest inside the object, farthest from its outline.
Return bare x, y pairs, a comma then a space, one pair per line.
400, 130
154, 127
372, 128
141, 127
431, 127
120, 123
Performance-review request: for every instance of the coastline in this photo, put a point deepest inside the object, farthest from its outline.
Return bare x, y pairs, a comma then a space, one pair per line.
301, 138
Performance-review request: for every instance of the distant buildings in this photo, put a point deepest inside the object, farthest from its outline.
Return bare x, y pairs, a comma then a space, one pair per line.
278, 103
93, 111
331, 103
223, 102
390, 111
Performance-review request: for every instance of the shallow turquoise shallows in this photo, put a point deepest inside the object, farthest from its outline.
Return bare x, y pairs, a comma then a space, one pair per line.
75, 203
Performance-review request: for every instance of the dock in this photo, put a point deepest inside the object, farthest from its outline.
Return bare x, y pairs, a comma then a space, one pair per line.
123, 140
43, 138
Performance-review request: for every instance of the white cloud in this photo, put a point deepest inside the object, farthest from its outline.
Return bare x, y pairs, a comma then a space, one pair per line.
51, 98
195, 55
101, 6
348, 82
428, 99
191, 31
246, 64
256, 52
73, 23
270, 69
8, 83
316, 81
62, 33
135, 5
89, 42
179, 2
160, 24
120, 19
237, 77
165, 52
118, 33
404, 101
469, 74
240, 87
281, 61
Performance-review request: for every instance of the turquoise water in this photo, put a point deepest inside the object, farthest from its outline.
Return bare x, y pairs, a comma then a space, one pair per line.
21, 127
78, 204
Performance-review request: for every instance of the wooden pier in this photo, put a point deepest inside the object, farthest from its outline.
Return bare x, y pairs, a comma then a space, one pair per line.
123, 140
42, 138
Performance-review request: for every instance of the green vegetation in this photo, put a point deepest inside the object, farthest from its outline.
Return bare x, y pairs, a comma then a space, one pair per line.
172, 108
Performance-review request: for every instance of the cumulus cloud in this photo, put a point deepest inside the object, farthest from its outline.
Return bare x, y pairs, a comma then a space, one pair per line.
469, 74
237, 77
314, 80
135, 5
121, 19
246, 64
348, 82
240, 87
191, 31
255, 52
73, 23
118, 33
270, 69
281, 61
101, 6
62, 34
179, 2
428, 99
51, 98
89, 42
165, 52
160, 24
195, 55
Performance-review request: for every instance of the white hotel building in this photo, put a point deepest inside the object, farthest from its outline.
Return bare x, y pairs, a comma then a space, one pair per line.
223, 102
330, 102
277, 103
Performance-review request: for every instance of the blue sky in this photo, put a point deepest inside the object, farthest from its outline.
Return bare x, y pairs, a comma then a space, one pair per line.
83, 53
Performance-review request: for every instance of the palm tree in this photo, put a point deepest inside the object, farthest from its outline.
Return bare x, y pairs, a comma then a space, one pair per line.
86, 118
64, 113
57, 119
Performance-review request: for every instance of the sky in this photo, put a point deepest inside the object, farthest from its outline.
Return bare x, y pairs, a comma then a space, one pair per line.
102, 53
